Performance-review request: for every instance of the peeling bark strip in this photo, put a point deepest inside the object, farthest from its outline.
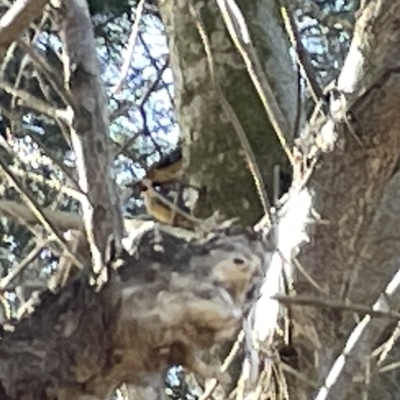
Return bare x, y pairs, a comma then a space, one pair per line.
89, 131
171, 298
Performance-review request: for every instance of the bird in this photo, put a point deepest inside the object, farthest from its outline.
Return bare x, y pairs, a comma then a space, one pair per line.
161, 189
168, 169
163, 208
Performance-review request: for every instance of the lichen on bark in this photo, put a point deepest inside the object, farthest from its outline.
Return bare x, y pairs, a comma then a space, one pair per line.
214, 156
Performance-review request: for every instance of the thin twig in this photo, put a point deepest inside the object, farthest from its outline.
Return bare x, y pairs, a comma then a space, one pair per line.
169, 204
227, 362
33, 102
131, 45
302, 58
16, 271
35, 209
47, 70
337, 305
51, 183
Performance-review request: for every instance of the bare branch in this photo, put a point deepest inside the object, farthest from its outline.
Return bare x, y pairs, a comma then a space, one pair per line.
89, 133
130, 47
61, 219
17, 19
238, 31
33, 102
302, 56
47, 70
51, 183
37, 212
17, 270
338, 305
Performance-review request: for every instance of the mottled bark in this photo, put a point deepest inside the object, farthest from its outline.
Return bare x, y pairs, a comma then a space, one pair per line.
89, 128
212, 149
168, 299
350, 216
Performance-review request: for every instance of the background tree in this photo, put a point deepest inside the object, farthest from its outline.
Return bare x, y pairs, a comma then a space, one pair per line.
239, 106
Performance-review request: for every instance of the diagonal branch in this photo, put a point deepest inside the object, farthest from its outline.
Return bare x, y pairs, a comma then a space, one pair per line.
17, 19
37, 212
238, 31
61, 219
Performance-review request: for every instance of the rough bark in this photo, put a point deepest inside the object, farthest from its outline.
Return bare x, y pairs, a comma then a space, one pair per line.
212, 149
168, 299
344, 223
89, 128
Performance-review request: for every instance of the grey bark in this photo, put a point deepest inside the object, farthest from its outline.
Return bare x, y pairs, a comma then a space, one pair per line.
89, 128
343, 223
213, 152
347, 218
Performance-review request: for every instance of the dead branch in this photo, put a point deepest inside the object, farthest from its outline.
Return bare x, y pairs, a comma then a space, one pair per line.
130, 47
18, 269
50, 73
37, 211
61, 219
32, 102
338, 305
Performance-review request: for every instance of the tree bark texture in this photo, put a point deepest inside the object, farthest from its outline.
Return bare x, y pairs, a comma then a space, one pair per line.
213, 153
89, 130
168, 299
351, 216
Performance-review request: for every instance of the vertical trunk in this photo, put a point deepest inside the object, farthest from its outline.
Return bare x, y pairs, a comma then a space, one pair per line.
213, 152
348, 212
89, 129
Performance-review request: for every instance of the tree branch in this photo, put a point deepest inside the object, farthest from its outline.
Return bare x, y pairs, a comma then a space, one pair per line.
89, 132
17, 19
343, 225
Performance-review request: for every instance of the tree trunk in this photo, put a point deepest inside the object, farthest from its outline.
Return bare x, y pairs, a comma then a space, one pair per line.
344, 224
89, 129
172, 297
212, 149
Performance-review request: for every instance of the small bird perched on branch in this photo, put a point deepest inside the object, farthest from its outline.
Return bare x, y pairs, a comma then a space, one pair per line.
168, 169
161, 189
164, 209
